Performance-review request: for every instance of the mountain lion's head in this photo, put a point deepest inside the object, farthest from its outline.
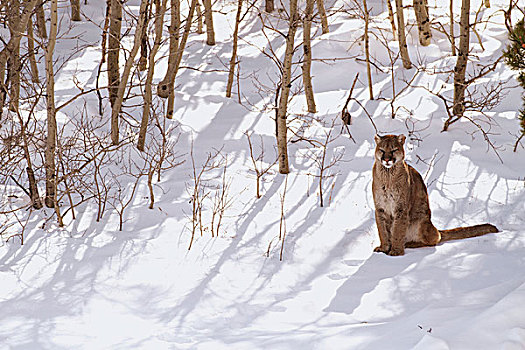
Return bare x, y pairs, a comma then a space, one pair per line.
389, 149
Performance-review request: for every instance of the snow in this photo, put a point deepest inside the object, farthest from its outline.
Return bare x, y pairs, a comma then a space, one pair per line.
89, 286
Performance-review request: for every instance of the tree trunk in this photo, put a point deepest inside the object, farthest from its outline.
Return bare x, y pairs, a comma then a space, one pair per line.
41, 19
115, 111
13, 43
367, 51
174, 31
160, 9
452, 35
165, 88
487, 3
31, 53
307, 64
282, 144
115, 24
208, 19
200, 21
143, 60
75, 10
269, 6
33, 188
322, 13
233, 59
391, 18
461, 64
51, 111
403, 50
423, 21
14, 64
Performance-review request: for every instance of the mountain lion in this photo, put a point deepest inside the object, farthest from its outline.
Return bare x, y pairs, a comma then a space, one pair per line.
401, 201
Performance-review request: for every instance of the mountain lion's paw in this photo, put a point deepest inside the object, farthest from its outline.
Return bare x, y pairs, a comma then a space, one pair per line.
396, 252
381, 249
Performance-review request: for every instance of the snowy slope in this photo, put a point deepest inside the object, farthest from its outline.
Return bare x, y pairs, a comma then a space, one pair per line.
89, 286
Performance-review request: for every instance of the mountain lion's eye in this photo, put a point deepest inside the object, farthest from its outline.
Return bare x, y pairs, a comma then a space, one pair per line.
395, 150
382, 151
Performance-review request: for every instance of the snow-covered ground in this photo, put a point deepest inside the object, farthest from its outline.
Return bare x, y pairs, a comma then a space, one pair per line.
89, 286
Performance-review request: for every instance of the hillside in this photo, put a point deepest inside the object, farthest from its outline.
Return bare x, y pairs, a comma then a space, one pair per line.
88, 285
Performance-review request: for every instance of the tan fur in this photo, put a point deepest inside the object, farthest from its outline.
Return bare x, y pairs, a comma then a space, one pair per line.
401, 201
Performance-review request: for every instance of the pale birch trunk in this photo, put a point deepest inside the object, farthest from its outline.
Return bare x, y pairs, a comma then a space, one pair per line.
208, 20
307, 64
115, 24
282, 109
75, 10
423, 21
160, 9
165, 88
51, 110
115, 111
322, 14
403, 49
233, 59
461, 64
391, 19
143, 60
367, 51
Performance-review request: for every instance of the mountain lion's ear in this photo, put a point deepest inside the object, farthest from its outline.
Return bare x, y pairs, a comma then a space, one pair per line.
377, 138
401, 138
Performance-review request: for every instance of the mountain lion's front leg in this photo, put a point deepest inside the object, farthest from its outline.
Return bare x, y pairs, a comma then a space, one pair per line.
384, 223
398, 231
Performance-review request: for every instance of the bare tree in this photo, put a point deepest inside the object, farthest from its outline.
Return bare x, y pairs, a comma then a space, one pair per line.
160, 9
41, 19
200, 21
322, 14
233, 59
75, 10
403, 49
165, 88
115, 111
307, 63
143, 60
115, 24
221, 202
199, 190
367, 49
423, 21
458, 107
51, 111
208, 19
269, 6
282, 109
452, 35
31, 53
391, 19
258, 164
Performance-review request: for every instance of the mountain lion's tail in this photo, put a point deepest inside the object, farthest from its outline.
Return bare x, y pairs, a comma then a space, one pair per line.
467, 232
